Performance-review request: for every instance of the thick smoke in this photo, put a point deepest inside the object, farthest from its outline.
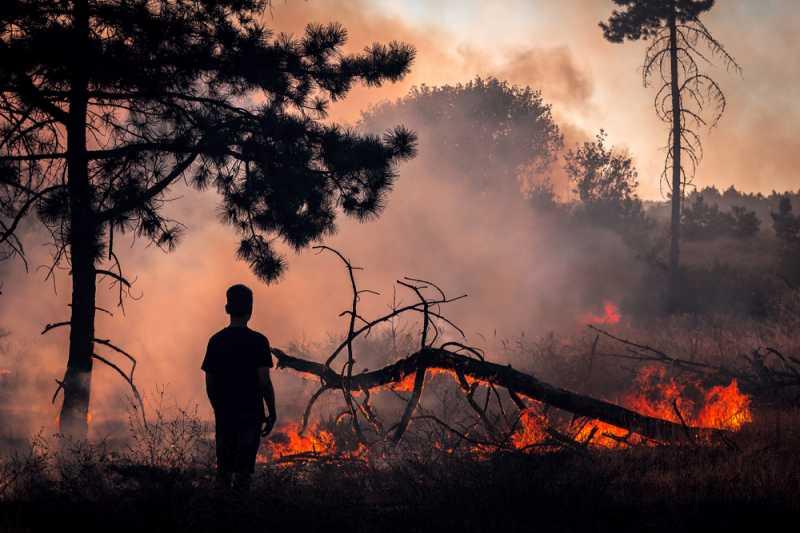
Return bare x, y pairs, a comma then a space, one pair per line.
522, 271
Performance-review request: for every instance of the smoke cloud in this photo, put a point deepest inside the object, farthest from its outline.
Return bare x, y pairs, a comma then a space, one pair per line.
520, 270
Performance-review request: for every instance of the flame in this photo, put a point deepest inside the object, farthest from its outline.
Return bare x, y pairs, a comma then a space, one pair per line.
531, 430
289, 443
407, 383
720, 407
726, 408
404, 385
655, 394
606, 436
611, 315
687, 401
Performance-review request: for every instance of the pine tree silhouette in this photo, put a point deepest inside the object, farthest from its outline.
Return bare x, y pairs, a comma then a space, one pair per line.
675, 32
107, 104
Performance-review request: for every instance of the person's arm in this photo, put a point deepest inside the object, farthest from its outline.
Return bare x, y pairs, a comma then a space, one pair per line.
212, 380
212, 389
268, 393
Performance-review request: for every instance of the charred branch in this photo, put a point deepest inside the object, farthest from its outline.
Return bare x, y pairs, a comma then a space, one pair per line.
520, 383
419, 381
128, 379
55, 325
353, 313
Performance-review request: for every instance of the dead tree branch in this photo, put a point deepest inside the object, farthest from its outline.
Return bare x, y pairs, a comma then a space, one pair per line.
55, 325
520, 383
129, 379
419, 381
353, 313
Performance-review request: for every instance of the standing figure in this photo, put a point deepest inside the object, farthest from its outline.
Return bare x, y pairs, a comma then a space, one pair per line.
236, 365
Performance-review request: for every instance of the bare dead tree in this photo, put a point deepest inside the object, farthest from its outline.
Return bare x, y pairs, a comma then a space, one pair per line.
679, 43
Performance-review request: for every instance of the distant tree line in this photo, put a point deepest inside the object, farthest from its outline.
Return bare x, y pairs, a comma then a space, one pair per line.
711, 213
746, 275
704, 221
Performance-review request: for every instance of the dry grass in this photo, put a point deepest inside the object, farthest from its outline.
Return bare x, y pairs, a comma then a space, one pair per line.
161, 479
160, 484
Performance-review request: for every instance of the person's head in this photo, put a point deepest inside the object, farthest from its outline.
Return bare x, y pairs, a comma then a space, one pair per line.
239, 302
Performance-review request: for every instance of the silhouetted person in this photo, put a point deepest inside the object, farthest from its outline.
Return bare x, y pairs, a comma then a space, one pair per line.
237, 364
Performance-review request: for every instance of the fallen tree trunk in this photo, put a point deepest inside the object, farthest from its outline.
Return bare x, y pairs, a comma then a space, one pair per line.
472, 365
505, 376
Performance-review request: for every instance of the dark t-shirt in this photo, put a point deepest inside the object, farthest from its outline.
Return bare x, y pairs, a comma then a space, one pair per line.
232, 356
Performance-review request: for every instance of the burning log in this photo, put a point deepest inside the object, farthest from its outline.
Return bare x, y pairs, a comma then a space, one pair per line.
518, 383
465, 363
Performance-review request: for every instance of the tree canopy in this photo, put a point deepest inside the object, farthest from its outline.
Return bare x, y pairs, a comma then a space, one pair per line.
605, 182
785, 223
482, 133
642, 19
200, 91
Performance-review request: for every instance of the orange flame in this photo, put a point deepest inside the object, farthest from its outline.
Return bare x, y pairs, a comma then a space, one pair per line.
605, 435
531, 430
720, 407
404, 385
611, 315
288, 443
726, 408
407, 383
659, 396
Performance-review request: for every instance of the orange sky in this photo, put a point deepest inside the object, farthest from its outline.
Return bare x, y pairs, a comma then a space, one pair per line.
557, 46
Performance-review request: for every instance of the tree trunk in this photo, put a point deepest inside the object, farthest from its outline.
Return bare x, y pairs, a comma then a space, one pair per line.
82, 251
677, 193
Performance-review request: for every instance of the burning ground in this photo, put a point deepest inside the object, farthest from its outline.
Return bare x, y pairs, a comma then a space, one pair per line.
653, 394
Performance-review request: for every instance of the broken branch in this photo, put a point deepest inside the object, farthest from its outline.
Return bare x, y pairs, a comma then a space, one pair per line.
521, 384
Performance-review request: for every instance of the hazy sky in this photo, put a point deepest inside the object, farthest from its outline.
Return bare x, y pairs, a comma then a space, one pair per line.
556, 45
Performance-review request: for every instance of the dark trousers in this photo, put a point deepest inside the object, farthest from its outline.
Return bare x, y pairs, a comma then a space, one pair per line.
237, 440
